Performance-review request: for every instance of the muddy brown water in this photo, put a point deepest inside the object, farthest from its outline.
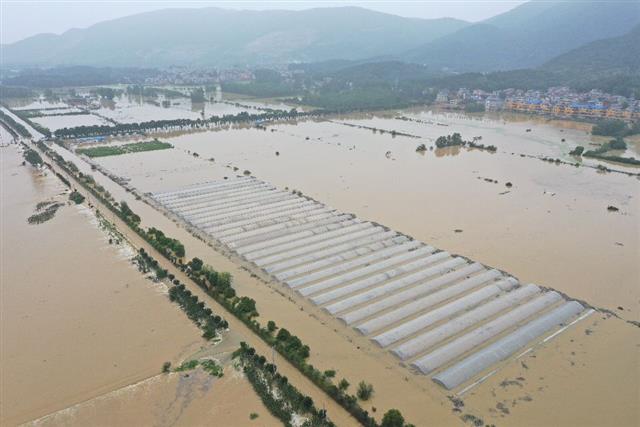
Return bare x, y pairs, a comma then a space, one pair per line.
551, 227
165, 390
78, 320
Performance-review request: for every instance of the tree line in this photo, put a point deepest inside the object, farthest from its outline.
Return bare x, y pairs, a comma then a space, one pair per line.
26, 116
280, 397
218, 285
615, 128
11, 123
291, 347
283, 400
177, 124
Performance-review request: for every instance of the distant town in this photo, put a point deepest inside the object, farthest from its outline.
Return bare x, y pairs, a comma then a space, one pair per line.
557, 101
560, 101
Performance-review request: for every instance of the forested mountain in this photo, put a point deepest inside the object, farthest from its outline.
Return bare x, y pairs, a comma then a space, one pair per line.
608, 56
611, 65
213, 36
528, 35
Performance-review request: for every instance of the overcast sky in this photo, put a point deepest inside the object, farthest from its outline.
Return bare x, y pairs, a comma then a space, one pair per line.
21, 19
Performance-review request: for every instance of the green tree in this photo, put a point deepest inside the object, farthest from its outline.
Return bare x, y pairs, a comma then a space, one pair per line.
271, 326
196, 264
33, 157
393, 418
330, 373
224, 279
577, 151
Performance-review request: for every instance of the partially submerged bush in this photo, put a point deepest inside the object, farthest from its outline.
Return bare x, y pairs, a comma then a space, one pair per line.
365, 390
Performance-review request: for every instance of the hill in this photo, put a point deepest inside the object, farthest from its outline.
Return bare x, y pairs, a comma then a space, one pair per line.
214, 36
528, 35
616, 55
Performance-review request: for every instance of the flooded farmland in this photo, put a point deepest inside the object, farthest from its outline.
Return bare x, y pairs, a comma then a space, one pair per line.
55, 122
529, 229
525, 228
546, 212
78, 319
126, 109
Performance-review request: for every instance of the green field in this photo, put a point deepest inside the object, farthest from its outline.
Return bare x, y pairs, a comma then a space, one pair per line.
116, 150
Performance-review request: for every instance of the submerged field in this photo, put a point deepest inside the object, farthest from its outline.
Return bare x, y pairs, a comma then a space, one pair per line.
552, 215
544, 222
81, 324
539, 221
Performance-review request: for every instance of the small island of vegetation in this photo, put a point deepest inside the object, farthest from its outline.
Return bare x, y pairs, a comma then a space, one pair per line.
44, 212
602, 152
455, 140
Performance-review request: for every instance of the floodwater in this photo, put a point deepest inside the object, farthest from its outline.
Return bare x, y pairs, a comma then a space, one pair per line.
186, 398
512, 133
165, 390
262, 103
172, 400
34, 104
551, 227
78, 319
34, 133
53, 123
56, 111
585, 377
5, 137
134, 110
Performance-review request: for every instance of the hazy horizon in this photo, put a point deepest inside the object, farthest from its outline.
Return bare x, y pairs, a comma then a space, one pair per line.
23, 19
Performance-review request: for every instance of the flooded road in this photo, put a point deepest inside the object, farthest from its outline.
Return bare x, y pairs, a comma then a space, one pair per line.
78, 319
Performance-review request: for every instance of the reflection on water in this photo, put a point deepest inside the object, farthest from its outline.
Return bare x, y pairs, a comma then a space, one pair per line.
447, 151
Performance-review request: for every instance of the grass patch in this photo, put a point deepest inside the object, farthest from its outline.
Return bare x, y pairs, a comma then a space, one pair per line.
210, 366
117, 150
187, 366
